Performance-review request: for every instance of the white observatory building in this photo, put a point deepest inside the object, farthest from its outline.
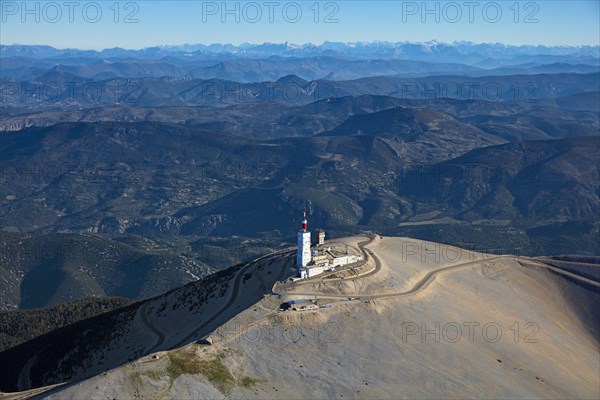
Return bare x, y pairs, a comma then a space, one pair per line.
303, 257
315, 261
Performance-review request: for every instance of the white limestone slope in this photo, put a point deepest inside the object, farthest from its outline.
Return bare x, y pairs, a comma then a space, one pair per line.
492, 327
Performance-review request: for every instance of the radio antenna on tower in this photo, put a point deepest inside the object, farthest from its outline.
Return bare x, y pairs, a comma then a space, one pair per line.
304, 222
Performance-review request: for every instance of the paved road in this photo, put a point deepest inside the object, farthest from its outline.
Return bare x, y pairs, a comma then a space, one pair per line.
559, 271
362, 245
554, 260
420, 285
24, 382
425, 281
234, 295
144, 317
366, 253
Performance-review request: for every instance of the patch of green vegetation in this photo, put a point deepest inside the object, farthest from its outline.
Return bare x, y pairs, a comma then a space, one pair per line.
136, 378
181, 362
215, 371
248, 382
153, 374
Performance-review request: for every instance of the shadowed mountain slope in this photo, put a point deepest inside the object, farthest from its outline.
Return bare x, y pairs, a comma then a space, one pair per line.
46, 270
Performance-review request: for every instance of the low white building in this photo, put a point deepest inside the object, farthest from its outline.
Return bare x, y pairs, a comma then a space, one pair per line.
345, 260
311, 270
302, 305
337, 261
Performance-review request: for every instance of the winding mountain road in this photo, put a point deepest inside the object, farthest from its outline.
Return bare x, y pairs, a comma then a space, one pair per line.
144, 318
423, 282
234, 295
536, 263
24, 382
420, 285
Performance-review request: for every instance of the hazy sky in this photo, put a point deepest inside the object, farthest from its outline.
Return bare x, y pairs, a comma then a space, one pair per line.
137, 24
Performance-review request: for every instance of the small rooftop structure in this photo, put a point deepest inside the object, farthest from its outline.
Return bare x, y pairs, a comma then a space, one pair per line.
319, 238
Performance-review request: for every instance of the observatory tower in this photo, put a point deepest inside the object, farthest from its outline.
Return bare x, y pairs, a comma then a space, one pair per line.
303, 257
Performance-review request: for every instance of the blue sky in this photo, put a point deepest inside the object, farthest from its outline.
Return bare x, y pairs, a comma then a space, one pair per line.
97, 25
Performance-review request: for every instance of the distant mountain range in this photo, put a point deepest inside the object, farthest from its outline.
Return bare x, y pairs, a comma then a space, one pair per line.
270, 62
403, 50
